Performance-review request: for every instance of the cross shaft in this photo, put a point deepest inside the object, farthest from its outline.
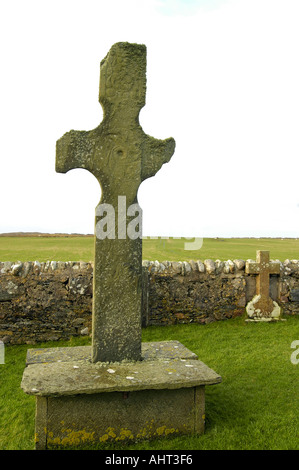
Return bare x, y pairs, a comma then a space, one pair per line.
120, 155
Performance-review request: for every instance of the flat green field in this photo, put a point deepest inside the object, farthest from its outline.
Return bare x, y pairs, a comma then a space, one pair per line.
82, 249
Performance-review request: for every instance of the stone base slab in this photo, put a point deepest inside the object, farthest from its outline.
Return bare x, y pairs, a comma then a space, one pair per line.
255, 313
79, 402
264, 320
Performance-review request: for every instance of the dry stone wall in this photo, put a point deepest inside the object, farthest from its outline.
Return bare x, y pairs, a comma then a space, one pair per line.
44, 301
53, 300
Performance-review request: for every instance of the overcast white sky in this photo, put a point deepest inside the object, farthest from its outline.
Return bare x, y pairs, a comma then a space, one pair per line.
222, 79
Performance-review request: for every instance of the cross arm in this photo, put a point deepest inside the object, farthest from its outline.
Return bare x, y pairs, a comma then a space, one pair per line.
252, 267
155, 153
73, 150
274, 267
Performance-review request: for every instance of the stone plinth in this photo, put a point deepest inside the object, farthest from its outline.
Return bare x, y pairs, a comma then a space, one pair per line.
79, 402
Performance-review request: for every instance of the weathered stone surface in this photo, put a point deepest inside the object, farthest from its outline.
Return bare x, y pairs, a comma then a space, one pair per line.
201, 266
6, 267
262, 306
240, 264
187, 267
80, 402
120, 155
193, 265
294, 295
210, 266
177, 267
16, 269
161, 350
27, 267
231, 266
72, 378
255, 313
218, 266
118, 416
44, 306
196, 298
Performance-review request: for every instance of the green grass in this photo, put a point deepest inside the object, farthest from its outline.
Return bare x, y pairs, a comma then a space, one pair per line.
44, 249
255, 407
220, 248
82, 249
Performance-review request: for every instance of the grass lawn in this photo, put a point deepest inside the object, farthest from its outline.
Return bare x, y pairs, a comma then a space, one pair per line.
82, 249
255, 407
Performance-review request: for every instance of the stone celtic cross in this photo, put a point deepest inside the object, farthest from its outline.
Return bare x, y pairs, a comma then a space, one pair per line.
263, 267
120, 155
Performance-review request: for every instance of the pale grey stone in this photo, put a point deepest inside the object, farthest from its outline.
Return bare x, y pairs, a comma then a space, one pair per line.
84, 331
219, 266
177, 267
210, 266
37, 267
16, 269
240, 264
145, 263
53, 265
201, 266
226, 268
6, 267
231, 266
187, 267
27, 268
194, 265
47, 266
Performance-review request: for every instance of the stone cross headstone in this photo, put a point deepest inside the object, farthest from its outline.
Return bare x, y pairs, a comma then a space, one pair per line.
262, 307
120, 155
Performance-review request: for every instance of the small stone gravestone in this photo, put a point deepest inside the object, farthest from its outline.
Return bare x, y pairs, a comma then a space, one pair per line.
119, 388
262, 307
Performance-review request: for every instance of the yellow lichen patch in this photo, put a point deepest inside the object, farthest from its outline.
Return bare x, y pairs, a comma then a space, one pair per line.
142, 433
150, 431
160, 431
111, 432
125, 434
55, 442
170, 431
73, 438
